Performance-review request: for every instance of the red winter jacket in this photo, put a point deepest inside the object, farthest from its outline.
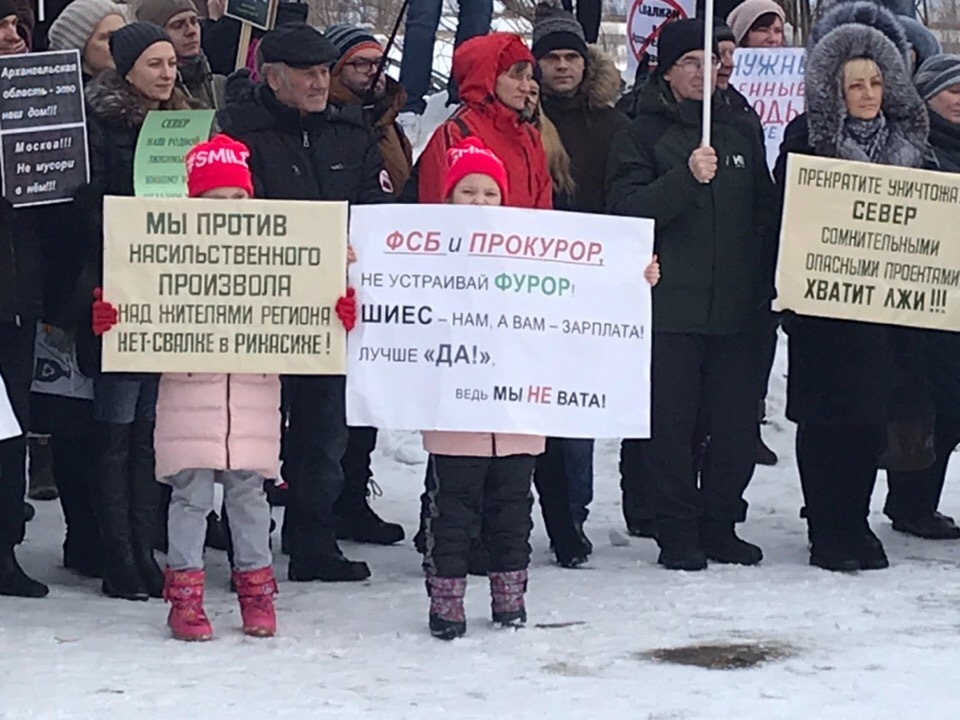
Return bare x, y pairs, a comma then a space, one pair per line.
480, 114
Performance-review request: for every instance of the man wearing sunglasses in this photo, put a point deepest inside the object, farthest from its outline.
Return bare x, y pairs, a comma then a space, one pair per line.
352, 83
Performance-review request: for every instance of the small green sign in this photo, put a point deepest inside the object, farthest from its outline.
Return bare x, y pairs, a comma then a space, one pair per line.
165, 138
259, 13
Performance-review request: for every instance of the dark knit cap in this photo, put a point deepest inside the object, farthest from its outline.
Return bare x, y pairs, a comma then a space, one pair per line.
937, 74
676, 39
298, 45
129, 42
722, 32
7, 8
556, 29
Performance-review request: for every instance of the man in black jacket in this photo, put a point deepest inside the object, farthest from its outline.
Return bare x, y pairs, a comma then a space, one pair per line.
302, 148
715, 246
578, 86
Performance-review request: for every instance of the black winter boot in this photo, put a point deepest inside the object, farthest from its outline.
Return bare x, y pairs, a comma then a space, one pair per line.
721, 544
14, 582
679, 542
144, 501
833, 551
73, 466
41, 484
121, 577
356, 520
315, 555
870, 552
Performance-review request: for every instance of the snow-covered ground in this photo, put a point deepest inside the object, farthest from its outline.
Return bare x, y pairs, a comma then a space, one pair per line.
866, 646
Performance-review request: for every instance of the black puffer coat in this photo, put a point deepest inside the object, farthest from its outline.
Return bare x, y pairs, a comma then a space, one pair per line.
842, 371
716, 241
115, 115
21, 266
331, 155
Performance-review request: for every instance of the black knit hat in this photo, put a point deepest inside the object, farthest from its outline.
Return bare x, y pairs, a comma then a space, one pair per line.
556, 29
298, 45
129, 42
676, 39
7, 8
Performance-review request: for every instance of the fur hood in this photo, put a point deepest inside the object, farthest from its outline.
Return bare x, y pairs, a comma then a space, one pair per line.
116, 102
601, 79
860, 12
905, 113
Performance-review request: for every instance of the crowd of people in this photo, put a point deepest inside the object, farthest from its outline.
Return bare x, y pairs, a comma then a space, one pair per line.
313, 117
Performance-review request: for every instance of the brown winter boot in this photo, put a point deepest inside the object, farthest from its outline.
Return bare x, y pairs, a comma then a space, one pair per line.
506, 592
42, 485
183, 589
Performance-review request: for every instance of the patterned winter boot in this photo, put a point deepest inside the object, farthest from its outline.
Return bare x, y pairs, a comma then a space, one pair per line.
183, 589
447, 618
255, 590
506, 591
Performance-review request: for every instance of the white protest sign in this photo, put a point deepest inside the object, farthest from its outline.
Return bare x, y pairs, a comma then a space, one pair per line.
772, 81
494, 319
645, 19
9, 427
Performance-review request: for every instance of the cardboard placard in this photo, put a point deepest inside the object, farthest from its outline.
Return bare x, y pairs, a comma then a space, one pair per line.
870, 242
235, 286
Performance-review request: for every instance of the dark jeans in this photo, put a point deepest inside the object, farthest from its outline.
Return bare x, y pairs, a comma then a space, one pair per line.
701, 384
16, 366
478, 497
838, 470
589, 13
916, 495
423, 20
314, 444
120, 398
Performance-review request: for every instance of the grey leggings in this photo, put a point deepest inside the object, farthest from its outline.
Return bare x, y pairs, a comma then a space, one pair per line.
246, 505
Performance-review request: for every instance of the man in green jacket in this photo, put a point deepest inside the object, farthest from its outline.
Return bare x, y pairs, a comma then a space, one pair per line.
715, 242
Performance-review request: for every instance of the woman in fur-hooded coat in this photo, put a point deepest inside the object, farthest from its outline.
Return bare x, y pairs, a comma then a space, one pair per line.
856, 390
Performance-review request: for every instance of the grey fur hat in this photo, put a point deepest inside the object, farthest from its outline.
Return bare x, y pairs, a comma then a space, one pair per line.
861, 12
904, 111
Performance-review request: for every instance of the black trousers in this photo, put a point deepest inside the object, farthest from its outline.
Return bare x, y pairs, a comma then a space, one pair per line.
16, 366
553, 488
838, 470
70, 424
700, 384
361, 442
473, 495
314, 443
916, 495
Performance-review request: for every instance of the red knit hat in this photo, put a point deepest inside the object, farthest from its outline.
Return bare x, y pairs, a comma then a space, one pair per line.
216, 163
470, 157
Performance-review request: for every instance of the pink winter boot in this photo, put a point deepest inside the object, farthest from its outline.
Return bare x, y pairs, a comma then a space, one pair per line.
255, 590
447, 617
506, 591
183, 589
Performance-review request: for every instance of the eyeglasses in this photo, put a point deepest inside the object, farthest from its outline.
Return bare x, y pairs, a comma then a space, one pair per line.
694, 65
365, 66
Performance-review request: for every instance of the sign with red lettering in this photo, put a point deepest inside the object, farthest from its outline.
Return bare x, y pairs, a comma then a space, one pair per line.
495, 319
645, 20
772, 81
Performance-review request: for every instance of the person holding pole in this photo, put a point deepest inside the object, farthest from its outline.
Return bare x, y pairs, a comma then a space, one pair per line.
708, 189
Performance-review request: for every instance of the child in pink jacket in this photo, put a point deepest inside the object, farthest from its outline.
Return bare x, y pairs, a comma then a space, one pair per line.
480, 482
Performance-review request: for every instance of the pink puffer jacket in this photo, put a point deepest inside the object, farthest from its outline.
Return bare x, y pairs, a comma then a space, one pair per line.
218, 421
474, 444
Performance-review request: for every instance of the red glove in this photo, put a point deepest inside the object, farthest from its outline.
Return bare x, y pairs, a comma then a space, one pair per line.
347, 309
104, 314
